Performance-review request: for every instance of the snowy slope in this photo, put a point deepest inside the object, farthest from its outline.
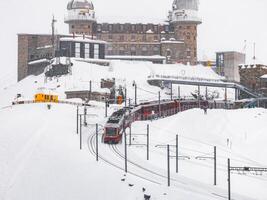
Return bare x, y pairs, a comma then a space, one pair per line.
125, 73
40, 156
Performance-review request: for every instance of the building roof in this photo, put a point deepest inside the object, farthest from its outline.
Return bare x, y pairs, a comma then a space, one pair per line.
80, 4
185, 5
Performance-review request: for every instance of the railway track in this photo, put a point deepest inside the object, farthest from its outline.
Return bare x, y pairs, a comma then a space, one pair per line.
115, 149
91, 147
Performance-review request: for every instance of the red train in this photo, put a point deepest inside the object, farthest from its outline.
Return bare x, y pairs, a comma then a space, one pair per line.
147, 111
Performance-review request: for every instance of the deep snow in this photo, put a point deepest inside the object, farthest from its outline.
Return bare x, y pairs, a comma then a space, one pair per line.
40, 156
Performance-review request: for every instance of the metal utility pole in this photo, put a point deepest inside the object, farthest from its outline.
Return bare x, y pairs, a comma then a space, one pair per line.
84, 118
106, 107
179, 92
198, 96
147, 142
125, 97
125, 150
229, 180
96, 145
135, 94
215, 165
171, 92
225, 97
159, 106
80, 131
130, 138
168, 164
206, 93
53, 33
77, 118
90, 91
176, 156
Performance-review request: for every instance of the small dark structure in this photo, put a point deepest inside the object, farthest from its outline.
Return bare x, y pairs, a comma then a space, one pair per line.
58, 70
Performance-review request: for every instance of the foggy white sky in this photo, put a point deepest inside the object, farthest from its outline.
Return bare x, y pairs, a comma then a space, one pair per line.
226, 23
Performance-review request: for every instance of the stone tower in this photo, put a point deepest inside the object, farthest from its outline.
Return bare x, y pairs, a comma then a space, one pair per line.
81, 17
184, 21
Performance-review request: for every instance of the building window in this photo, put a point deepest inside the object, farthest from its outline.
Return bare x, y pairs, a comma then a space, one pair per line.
121, 27
144, 38
144, 28
87, 50
110, 37
133, 27
188, 27
133, 37
121, 51
72, 26
133, 51
110, 27
110, 50
156, 51
99, 28
121, 38
155, 37
166, 28
96, 51
77, 50
188, 37
144, 51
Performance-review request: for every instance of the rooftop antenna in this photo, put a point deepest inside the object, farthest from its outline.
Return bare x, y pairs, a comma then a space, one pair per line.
254, 53
53, 31
244, 51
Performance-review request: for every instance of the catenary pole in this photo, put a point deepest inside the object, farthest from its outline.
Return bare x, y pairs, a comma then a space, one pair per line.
125, 150
77, 119
229, 180
147, 142
215, 165
176, 154
168, 164
96, 132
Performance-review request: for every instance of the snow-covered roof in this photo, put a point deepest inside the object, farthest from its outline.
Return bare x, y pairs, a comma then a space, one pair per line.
264, 76
80, 39
171, 42
155, 57
39, 61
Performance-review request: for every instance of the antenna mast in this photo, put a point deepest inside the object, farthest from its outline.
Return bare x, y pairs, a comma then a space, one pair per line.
53, 32
254, 53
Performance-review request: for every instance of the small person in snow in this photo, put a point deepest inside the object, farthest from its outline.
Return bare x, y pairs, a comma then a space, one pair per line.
205, 110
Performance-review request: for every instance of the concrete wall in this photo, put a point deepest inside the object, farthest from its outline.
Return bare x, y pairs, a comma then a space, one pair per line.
228, 66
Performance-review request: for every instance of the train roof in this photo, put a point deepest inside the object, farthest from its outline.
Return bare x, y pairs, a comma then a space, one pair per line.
116, 116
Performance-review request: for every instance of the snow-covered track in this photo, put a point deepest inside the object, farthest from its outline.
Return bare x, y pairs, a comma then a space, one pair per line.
117, 152
91, 147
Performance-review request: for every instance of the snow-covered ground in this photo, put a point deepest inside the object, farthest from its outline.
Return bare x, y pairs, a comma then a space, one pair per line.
40, 156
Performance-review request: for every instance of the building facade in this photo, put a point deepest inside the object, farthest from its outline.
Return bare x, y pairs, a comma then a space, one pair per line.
176, 39
254, 77
227, 64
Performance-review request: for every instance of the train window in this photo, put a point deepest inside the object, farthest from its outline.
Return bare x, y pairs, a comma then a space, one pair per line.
111, 131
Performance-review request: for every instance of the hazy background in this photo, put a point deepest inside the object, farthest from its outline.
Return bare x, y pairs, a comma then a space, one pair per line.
226, 24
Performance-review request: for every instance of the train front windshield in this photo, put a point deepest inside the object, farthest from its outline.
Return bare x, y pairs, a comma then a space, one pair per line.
111, 131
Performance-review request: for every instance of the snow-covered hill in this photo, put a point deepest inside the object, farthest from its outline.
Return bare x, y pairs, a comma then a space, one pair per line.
40, 156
